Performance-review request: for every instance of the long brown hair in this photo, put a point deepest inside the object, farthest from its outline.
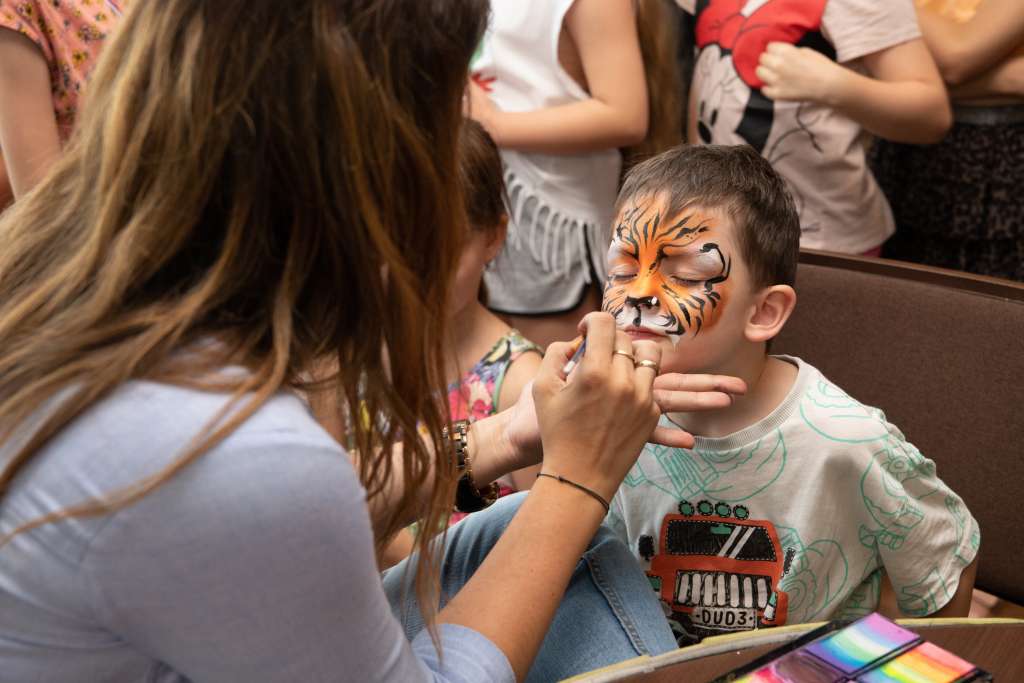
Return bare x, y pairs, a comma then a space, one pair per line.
274, 177
658, 31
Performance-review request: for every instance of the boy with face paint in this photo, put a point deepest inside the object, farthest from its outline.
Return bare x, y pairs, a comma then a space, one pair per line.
797, 503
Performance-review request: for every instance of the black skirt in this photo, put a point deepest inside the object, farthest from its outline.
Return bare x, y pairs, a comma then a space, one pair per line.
960, 204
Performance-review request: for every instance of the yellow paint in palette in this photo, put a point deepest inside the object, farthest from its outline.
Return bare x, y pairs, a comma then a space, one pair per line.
926, 663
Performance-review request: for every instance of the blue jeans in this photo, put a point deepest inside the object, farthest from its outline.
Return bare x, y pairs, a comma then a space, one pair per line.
609, 612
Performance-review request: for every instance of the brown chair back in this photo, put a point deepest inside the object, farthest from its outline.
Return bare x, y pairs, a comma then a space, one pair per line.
942, 353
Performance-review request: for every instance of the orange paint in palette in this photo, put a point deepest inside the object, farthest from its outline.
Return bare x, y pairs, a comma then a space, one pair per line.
869, 650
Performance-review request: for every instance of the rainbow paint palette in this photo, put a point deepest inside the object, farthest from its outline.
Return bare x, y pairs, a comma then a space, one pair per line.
869, 650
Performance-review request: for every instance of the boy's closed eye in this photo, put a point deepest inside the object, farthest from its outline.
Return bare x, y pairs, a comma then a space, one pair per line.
686, 281
622, 274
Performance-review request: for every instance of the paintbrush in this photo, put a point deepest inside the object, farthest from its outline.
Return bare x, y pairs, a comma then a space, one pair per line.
575, 360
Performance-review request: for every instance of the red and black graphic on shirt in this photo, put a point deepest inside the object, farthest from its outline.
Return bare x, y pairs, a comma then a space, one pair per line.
715, 570
742, 30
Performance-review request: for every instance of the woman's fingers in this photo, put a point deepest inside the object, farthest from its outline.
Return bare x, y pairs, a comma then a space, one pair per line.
550, 375
601, 335
647, 365
623, 359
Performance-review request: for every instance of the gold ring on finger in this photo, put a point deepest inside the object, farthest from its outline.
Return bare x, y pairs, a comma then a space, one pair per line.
627, 354
648, 364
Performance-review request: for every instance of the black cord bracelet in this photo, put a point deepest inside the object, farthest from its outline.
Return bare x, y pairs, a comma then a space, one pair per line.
593, 494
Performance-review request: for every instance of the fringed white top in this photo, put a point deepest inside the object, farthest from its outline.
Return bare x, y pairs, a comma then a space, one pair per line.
560, 204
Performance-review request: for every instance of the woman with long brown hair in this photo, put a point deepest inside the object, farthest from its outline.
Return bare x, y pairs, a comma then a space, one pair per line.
258, 191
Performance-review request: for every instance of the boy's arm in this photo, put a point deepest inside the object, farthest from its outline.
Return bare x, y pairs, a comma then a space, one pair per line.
903, 100
615, 115
958, 606
965, 51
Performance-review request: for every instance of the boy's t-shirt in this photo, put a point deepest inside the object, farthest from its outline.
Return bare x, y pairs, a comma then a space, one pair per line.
793, 519
820, 152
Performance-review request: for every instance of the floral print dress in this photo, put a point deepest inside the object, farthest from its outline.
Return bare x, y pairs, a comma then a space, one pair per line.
70, 34
475, 396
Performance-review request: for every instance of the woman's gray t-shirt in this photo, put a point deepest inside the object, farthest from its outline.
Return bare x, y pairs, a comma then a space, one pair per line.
255, 563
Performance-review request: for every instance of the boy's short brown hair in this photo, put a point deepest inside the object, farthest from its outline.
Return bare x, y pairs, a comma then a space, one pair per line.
741, 182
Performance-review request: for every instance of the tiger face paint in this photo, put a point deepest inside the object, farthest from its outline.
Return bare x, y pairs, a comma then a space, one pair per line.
667, 276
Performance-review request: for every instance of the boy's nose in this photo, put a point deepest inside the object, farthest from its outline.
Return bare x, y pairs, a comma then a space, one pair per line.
642, 301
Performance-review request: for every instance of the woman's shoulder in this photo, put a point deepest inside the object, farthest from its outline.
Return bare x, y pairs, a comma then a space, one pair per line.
143, 428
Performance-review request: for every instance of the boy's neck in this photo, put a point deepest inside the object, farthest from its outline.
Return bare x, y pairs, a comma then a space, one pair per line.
769, 381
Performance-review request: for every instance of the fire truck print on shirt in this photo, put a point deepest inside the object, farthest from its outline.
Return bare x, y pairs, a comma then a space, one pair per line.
718, 571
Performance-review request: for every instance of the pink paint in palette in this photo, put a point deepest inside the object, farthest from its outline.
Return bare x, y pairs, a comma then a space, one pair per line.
870, 650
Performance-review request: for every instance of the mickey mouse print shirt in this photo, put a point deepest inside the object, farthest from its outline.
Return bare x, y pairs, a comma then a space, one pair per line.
820, 152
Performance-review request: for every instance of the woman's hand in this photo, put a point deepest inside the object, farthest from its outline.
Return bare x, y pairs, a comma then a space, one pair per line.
799, 74
594, 422
673, 392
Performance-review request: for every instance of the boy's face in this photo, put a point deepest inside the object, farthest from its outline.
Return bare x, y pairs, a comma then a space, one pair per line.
678, 280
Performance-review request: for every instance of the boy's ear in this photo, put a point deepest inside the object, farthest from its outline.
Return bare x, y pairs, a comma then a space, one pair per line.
497, 240
772, 309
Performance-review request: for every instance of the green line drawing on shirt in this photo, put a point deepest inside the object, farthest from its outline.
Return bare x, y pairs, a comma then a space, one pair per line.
835, 415
816, 578
730, 476
893, 474
962, 519
863, 600
926, 596
637, 476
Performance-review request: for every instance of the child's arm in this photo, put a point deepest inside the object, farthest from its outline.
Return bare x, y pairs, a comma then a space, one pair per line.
958, 606
28, 127
517, 377
1004, 81
965, 51
903, 100
605, 35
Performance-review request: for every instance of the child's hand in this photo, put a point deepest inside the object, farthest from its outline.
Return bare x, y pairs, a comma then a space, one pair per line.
678, 393
478, 106
799, 74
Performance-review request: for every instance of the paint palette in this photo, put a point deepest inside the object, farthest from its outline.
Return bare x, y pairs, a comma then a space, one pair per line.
869, 650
